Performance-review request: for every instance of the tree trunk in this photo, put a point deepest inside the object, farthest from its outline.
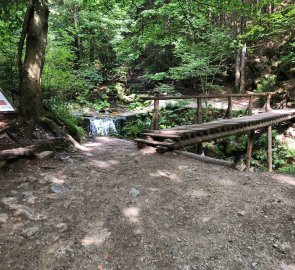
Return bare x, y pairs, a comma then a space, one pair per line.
78, 42
238, 70
35, 31
243, 71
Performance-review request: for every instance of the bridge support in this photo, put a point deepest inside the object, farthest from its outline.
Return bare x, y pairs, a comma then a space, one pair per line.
269, 148
249, 149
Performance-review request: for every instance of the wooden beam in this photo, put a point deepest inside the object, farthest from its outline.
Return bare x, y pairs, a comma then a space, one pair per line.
249, 149
229, 111
269, 147
154, 143
267, 105
207, 159
250, 108
206, 96
155, 125
199, 120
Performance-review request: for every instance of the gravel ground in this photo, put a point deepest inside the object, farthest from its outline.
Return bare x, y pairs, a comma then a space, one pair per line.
115, 207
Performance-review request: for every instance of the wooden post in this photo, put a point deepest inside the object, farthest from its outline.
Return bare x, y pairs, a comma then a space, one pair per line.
198, 117
199, 120
155, 121
250, 108
269, 148
249, 149
229, 108
267, 105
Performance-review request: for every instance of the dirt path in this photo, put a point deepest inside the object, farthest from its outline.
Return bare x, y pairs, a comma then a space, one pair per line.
115, 207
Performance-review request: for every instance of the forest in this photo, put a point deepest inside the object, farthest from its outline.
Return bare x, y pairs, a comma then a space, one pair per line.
147, 134
59, 57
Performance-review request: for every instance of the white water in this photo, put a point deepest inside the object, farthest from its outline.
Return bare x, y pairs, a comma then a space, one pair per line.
102, 127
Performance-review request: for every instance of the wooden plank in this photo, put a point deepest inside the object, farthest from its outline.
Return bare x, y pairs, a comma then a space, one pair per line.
155, 143
159, 135
219, 135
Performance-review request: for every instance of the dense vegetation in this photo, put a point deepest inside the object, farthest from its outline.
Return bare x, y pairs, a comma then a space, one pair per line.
98, 53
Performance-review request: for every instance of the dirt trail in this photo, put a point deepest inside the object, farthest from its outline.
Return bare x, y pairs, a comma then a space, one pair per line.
115, 207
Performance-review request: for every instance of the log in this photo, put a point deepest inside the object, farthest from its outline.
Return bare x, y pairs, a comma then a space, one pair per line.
30, 150
215, 161
18, 152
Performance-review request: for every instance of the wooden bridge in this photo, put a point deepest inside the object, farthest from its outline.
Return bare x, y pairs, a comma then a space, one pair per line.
175, 138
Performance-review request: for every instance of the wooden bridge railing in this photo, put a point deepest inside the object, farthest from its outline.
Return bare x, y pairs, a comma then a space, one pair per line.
155, 125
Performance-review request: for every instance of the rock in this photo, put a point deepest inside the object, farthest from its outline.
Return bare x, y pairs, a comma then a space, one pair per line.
11, 203
67, 250
2, 164
30, 232
56, 188
134, 192
31, 199
62, 227
45, 155
3, 218
27, 193
67, 159
48, 179
241, 213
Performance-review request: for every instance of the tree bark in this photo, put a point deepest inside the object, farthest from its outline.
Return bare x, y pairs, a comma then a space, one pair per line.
243, 71
35, 30
78, 42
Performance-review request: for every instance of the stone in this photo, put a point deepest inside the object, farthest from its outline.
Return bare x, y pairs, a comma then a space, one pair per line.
56, 188
30, 232
45, 155
62, 227
67, 250
134, 192
47, 179
67, 159
241, 213
3, 218
2, 164
27, 193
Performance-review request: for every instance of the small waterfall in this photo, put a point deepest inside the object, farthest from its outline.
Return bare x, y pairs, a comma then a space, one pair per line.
105, 125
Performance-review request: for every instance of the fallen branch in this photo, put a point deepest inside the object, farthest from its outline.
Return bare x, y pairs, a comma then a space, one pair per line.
18, 152
207, 159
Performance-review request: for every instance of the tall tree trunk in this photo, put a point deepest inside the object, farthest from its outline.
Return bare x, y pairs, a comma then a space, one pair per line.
243, 71
35, 31
238, 70
78, 42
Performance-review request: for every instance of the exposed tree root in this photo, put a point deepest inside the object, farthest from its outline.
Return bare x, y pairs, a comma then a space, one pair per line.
57, 131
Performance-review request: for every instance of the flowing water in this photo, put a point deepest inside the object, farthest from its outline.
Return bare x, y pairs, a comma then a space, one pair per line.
106, 125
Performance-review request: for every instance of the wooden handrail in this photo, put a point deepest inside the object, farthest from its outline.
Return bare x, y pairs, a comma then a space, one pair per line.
155, 124
207, 96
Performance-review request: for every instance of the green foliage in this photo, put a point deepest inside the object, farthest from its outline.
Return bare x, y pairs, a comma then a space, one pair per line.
135, 127
267, 84
61, 114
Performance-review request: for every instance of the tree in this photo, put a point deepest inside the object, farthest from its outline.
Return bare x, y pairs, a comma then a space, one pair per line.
34, 34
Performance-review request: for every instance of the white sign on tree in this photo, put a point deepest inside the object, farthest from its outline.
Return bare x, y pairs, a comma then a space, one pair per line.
5, 105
